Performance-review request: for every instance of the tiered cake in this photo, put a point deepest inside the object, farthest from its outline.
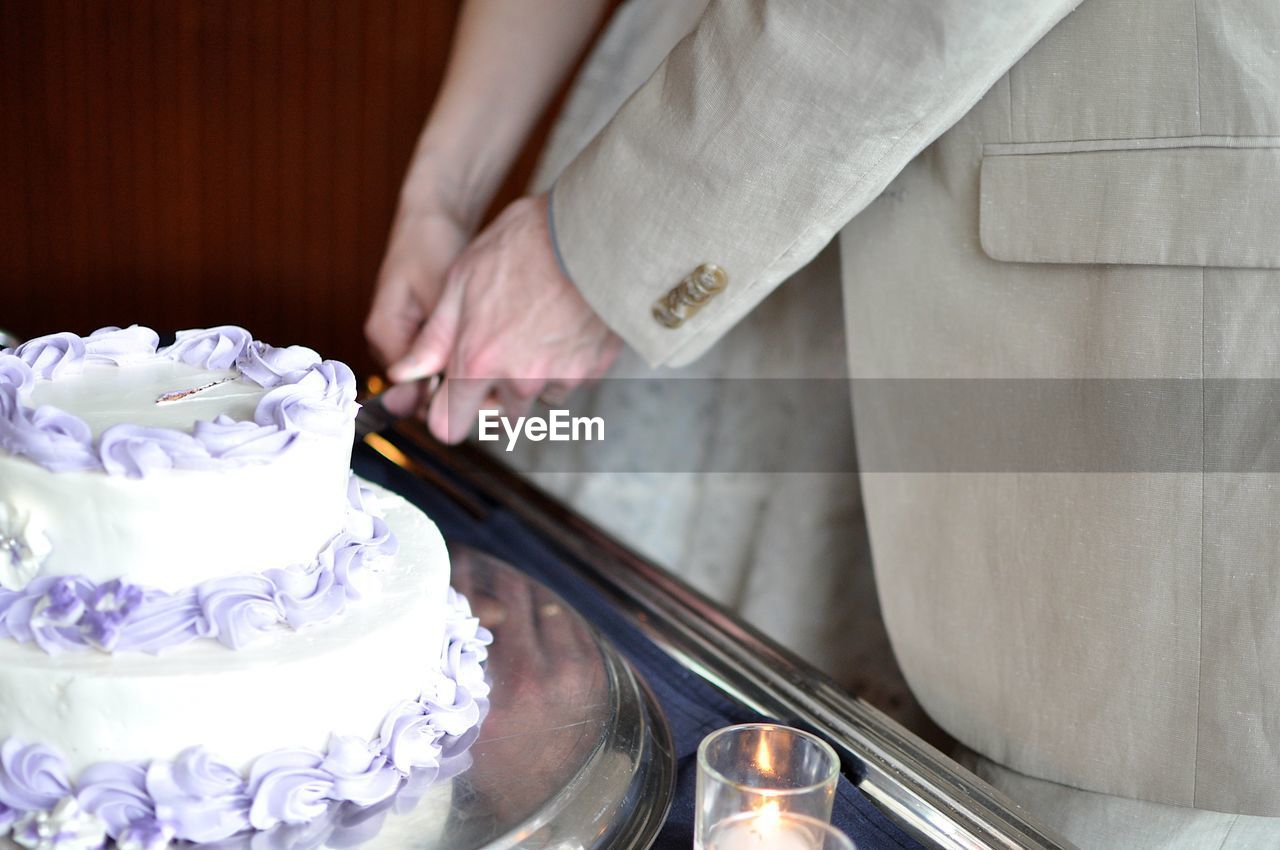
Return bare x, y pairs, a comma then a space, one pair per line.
205, 627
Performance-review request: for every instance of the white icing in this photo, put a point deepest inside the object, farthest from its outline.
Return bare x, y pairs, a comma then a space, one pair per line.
292, 689
175, 528
106, 394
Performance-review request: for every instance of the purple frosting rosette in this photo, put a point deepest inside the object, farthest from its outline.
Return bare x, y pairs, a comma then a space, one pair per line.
305, 395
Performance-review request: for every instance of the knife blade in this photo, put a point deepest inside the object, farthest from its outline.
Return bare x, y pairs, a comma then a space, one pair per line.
374, 417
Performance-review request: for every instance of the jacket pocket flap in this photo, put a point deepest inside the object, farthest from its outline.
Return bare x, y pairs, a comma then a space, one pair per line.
1207, 201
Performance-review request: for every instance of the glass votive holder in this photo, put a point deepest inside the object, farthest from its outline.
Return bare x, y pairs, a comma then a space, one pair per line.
762, 770
774, 830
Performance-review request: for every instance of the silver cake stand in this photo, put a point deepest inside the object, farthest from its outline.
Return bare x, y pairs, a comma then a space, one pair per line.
574, 752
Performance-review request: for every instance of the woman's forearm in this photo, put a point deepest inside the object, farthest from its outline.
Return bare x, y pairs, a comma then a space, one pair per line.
508, 59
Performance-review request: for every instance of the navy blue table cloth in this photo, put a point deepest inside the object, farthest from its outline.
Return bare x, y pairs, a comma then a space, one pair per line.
693, 708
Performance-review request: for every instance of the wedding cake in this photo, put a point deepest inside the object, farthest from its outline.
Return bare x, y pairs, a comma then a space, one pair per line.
207, 624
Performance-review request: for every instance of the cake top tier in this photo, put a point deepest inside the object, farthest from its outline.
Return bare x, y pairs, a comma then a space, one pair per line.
114, 401
104, 395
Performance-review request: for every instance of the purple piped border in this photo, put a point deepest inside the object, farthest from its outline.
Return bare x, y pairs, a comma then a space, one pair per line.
196, 798
69, 613
304, 395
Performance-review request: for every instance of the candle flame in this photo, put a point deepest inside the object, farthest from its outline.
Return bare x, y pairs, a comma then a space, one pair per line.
764, 758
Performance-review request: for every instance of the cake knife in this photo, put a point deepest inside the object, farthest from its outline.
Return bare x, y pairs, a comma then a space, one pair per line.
374, 416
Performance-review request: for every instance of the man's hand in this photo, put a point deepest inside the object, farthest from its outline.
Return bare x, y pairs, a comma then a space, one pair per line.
508, 326
425, 240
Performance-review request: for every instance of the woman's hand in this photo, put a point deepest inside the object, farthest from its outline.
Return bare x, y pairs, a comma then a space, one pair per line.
507, 59
426, 238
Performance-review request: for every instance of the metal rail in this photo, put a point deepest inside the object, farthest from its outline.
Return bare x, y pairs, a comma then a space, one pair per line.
927, 793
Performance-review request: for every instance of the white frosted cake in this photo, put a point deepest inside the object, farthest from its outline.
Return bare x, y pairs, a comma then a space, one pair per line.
207, 625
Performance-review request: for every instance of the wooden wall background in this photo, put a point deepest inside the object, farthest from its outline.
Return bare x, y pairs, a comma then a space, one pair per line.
184, 163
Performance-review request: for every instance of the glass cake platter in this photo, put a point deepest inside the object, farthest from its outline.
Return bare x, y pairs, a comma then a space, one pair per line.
574, 752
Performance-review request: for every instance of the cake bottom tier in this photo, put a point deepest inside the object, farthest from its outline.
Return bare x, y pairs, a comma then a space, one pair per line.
202, 741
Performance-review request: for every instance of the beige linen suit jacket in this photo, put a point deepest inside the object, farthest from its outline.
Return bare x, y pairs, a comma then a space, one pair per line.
1021, 191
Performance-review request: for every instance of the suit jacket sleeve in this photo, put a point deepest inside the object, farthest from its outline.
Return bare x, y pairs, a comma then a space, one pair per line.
762, 133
